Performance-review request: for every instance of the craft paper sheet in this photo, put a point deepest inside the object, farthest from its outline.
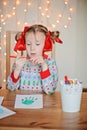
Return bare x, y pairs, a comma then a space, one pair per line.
4, 112
34, 101
1, 99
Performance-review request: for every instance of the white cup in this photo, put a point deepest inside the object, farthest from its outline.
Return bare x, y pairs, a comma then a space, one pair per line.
71, 97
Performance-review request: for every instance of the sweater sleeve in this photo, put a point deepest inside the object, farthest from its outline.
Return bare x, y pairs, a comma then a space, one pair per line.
50, 77
12, 83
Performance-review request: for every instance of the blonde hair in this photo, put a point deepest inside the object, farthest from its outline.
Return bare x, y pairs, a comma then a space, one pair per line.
40, 28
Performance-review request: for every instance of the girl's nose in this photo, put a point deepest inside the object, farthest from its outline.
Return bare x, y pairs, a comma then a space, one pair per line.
32, 47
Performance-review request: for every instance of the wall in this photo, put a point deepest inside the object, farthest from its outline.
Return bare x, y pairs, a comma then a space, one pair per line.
72, 56
81, 41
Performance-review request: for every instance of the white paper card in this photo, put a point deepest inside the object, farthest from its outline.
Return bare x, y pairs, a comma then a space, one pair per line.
4, 112
34, 101
1, 99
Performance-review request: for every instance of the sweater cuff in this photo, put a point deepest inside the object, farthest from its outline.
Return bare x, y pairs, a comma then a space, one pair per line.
45, 74
13, 78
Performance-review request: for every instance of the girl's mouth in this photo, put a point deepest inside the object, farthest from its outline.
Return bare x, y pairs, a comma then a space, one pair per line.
32, 54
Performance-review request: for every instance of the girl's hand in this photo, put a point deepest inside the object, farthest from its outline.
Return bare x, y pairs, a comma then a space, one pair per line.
20, 61
39, 60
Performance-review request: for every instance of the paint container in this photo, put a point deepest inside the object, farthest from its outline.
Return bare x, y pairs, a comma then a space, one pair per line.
71, 96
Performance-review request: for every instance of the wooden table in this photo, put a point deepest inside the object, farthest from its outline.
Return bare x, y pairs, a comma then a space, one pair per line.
50, 117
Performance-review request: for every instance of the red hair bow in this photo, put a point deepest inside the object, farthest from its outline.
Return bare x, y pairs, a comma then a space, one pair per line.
49, 42
20, 45
59, 40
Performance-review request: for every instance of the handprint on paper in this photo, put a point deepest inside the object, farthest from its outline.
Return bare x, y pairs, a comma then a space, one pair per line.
1, 110
28, 100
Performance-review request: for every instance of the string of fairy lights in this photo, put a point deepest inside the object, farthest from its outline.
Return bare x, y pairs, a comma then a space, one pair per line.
52, 17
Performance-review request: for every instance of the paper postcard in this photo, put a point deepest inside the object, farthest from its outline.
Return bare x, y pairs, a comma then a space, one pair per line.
1, 99
34, 101
4, 112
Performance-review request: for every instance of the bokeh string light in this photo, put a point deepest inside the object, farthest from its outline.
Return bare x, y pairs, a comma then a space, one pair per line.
45, 16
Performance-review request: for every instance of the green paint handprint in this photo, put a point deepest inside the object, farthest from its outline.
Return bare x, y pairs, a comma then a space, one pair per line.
28, 100
1, 110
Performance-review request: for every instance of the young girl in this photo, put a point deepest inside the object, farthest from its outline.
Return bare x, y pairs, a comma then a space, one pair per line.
36, 71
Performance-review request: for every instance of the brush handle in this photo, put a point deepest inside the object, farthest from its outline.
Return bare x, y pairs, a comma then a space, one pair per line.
16, 57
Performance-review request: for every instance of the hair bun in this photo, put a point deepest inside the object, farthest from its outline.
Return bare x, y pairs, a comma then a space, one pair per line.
54, 34
17, 36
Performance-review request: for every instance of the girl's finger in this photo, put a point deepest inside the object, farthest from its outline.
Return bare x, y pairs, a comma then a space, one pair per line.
36, 58
39, 61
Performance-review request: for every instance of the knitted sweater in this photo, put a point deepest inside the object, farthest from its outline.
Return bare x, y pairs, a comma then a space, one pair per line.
33, 78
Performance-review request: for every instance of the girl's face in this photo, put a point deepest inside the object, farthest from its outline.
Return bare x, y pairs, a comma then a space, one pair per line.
35, 43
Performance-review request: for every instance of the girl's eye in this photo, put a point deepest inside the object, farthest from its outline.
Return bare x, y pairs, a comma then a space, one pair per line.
28, 44
37, 44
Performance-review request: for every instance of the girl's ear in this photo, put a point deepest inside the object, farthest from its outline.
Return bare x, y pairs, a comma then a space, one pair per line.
18, 35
